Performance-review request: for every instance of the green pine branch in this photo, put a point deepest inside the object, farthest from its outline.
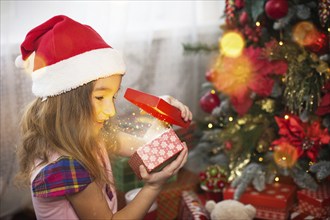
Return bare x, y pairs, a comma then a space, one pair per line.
199, 47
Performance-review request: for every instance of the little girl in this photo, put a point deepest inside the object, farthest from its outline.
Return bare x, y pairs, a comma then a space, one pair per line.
63, 155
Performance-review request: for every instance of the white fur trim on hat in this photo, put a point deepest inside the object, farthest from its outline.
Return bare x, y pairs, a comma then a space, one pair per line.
76, 71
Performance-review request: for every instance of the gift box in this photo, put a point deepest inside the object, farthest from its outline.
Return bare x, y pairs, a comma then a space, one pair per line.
274, 202
315, 203
296, 214
124, 177
157, 153
169, 198
191, 207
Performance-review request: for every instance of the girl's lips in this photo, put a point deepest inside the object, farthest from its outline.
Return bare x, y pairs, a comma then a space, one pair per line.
100, 123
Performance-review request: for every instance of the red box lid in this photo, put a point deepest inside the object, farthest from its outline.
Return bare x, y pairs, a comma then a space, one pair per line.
156, 107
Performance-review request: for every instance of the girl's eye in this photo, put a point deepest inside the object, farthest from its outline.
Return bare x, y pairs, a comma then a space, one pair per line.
99, 97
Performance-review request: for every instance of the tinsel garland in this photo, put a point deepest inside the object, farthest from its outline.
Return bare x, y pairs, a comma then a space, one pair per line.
304, 80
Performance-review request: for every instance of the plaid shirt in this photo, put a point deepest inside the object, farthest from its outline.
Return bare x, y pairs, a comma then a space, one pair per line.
64, 176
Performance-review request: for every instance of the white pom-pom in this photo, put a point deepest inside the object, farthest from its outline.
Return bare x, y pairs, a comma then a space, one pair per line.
19, 62
210, 205
27, 64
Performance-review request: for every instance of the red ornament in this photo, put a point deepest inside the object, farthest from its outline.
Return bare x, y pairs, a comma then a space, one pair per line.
209, 184
202, 176
239, 3
209, 75
220, 184
276, 9
209, 101
319, 45
243, 18
228, 145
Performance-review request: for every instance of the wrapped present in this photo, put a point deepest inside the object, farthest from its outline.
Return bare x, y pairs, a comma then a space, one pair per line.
157, 153
191, 207
169, 198
315, 203
275, 202
124, 177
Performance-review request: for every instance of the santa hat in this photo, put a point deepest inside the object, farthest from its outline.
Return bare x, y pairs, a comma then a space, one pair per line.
64, 54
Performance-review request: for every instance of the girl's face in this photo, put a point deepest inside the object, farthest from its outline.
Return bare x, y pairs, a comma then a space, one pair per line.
103, 96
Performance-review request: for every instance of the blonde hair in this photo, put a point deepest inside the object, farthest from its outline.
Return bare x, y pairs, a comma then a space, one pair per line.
61, 124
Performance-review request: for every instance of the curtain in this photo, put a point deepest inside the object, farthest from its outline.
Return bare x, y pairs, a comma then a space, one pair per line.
150, 35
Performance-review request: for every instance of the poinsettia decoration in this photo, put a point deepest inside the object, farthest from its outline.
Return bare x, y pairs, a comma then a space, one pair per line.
250, 73
308, 138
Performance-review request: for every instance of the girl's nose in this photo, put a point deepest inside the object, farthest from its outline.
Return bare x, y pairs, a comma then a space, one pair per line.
109, 109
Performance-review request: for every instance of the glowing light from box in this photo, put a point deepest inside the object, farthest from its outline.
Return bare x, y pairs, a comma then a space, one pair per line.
232, 44
210, 125
277, 179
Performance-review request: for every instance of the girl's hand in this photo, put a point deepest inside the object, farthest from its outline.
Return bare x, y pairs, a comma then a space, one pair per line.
185, 112
156, 180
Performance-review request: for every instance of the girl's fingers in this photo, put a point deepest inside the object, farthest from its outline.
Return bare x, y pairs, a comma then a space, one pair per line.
143, 172
185, 112
172, 167
184, 160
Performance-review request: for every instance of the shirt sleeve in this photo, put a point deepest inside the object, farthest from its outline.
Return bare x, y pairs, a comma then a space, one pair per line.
63, 177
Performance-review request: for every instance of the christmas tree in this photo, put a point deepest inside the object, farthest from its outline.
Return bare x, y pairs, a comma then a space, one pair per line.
267, 96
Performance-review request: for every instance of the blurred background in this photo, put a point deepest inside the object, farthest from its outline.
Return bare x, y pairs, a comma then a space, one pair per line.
150, 35
255, 74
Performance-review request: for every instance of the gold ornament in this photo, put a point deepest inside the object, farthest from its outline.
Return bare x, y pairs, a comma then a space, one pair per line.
268, 105
237, 166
